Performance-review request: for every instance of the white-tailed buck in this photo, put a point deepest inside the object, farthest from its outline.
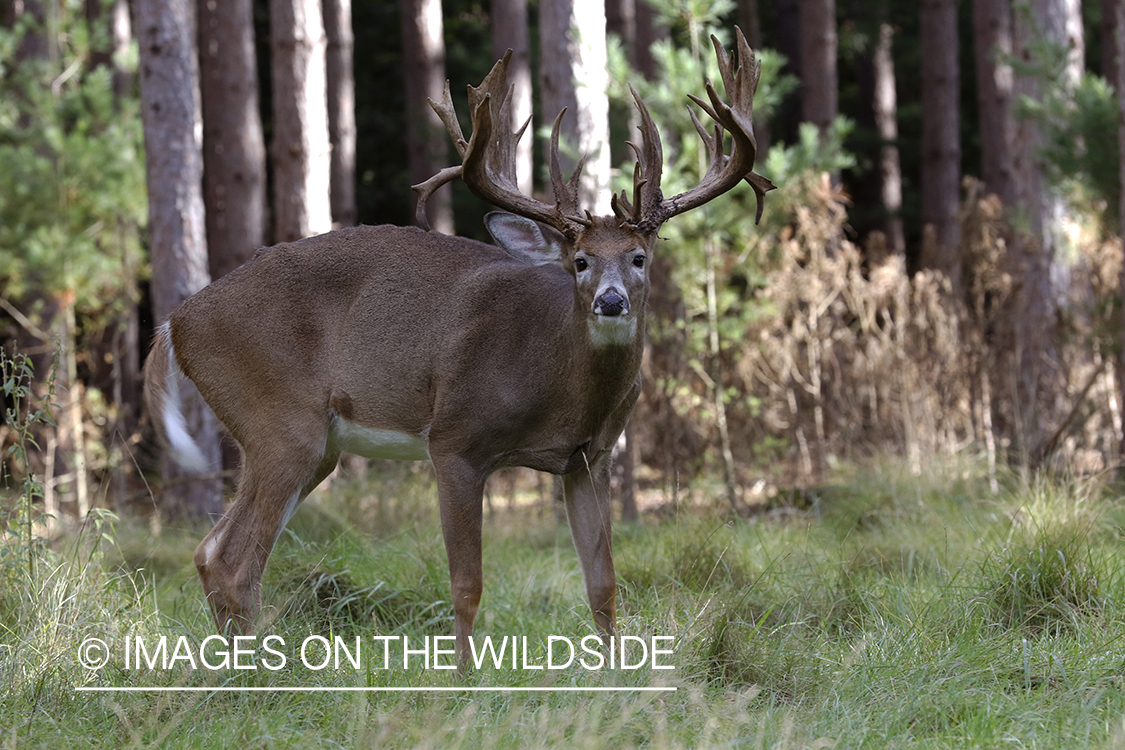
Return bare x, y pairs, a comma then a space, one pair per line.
398, 343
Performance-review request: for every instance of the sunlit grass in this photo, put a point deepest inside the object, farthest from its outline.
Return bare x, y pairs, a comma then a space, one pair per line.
893, 611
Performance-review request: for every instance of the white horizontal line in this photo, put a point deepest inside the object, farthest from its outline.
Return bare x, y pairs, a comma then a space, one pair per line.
229, 689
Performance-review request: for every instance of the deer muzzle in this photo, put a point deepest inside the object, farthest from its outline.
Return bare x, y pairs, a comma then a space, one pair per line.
611, 303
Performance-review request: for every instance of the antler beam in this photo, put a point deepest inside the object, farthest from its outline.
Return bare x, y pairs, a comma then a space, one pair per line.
649, 209
488, 158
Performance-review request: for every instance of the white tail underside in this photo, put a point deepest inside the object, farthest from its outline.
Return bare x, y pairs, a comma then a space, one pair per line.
184, 448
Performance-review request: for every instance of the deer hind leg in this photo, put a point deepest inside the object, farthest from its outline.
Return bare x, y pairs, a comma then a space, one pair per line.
231, 558
590, 515
461, 497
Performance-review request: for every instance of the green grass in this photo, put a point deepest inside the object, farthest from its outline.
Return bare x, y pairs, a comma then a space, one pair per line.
896, 611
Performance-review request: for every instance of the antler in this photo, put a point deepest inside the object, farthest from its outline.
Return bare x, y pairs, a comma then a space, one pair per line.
488, 158
648, 209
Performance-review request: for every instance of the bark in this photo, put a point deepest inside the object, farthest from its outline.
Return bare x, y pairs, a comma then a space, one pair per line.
789, 36
941, 141
1119, 68
341, 109
573, 75
178, 242
1109, 41
509, 31
992, 29
748, 20
423, 58
819, 80
1035, 254
234, 152
300, 150
648, 32
111, 33
886, 122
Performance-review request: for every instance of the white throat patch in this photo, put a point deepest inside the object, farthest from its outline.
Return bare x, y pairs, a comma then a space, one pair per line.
611, 331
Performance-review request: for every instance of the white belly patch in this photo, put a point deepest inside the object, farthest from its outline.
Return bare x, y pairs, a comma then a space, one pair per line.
372, 442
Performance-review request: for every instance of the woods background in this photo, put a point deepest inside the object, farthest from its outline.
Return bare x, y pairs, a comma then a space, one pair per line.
939, 272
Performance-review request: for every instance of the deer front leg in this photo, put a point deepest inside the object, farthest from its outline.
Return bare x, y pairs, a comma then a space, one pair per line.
461, 497
590, 514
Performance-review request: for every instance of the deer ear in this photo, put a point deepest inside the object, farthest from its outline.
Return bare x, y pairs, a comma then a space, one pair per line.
524, 239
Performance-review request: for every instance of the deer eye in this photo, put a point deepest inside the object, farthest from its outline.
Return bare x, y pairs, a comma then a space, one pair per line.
639, 261
580, 264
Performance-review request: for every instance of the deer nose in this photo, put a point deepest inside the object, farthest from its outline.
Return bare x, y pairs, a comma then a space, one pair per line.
611, 303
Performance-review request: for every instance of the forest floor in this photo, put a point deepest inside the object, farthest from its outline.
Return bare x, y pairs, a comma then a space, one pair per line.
894, 611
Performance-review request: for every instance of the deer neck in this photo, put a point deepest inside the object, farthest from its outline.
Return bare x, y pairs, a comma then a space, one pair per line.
612, 351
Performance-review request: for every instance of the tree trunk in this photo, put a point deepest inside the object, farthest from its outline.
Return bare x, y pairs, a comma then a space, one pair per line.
341, 109
301, 152
573, 75
1119, 70
1109, 41
819, 81
423, 60
886, 122
648, 32
234, 152
121, 345
509, 31
1034, 255
941, 137
789, 35
992, 29
178, 242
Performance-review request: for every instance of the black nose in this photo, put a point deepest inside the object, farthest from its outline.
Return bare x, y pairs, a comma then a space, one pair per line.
611, 303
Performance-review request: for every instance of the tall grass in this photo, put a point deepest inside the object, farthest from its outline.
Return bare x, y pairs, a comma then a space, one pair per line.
897, 611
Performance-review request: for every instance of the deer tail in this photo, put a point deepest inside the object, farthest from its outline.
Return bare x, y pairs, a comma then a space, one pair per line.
164, 404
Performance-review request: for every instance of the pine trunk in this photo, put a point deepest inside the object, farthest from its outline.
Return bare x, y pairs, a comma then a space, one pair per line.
300, 150
941, 137
178, 241
573, 75
341, 109
886, 122
423, 59
819, 81
509, 31
1119, 67
992, 29
234, 152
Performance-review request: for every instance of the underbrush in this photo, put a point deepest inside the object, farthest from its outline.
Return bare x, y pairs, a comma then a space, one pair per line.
896, 610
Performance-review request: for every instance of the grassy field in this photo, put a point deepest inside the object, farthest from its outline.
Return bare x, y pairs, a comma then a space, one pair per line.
893, 611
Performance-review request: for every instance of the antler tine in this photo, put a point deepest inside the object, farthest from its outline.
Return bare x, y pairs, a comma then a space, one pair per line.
427, 188
488, 158
566, 192
737, 118
622, 208
649, 163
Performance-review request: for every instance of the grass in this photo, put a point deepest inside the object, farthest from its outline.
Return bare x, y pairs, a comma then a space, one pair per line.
898, 611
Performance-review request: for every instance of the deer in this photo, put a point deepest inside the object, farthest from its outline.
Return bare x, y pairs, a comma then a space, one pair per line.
396, 342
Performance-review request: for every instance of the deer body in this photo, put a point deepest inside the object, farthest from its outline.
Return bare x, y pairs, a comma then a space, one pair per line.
397, 343
427, 359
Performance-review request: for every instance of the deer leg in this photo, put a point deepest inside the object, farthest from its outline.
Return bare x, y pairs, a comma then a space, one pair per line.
590, 515
231, 558
461, 497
